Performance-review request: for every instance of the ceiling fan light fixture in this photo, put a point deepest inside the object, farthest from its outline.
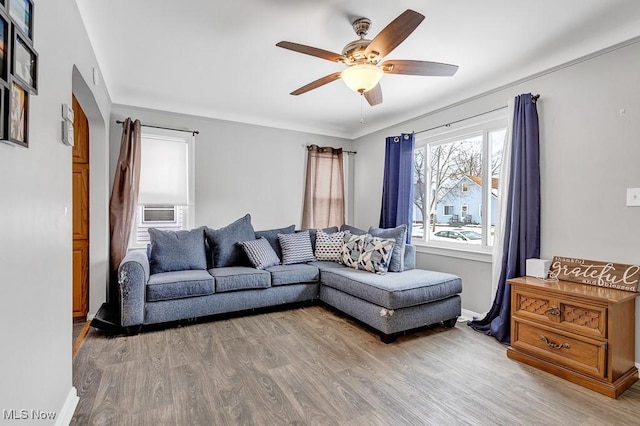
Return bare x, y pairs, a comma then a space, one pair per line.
362, 77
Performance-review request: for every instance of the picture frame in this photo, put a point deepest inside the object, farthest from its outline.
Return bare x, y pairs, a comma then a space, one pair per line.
4, 104
5, 47
24, 62
21, 12
18, 114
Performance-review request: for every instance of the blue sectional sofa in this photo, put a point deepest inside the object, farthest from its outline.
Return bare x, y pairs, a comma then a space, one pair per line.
390, 303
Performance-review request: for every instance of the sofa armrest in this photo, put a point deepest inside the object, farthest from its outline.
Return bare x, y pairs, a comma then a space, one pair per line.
133, 274
409, 257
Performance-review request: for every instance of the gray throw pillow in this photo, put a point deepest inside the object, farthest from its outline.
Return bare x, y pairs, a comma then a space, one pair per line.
396, 264
176, 250
260, 253
296, 248
224, 242
272, 236
352, 230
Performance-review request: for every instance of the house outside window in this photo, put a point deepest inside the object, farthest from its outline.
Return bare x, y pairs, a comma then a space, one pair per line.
165, 199
456, 186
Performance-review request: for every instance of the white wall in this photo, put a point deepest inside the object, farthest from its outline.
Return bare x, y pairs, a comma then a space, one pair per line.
35, 223
239, 168
589, 156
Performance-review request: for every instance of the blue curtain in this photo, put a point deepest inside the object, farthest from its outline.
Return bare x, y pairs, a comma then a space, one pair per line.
522, 227
397, 187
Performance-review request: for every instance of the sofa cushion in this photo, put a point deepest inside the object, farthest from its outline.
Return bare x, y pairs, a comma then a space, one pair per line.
296, 248
260, 253
179, 284
224, 242
293, 274
239, 278
393, 291
329, 246
375, 254
400, 235
176, 250
272, 236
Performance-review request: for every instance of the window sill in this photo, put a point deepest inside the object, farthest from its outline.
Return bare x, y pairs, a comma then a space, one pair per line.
481, 255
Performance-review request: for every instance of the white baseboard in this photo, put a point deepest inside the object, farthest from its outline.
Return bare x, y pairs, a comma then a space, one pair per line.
469, 315
69, 407
90, 316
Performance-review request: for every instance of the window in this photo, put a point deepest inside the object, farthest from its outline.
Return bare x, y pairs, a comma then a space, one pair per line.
456, 186
165, 199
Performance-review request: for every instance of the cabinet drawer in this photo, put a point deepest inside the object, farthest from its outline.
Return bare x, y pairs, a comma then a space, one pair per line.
575, 352
585, 319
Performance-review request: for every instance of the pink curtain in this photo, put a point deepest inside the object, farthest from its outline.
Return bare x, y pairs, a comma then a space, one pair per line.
124, 195
324, 188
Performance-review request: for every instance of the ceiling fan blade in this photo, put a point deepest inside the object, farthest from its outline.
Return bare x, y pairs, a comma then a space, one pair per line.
315, 84
313, 51
374, 96
394, 33
418, 68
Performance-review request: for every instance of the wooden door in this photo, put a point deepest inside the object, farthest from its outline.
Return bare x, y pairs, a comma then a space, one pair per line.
80, 212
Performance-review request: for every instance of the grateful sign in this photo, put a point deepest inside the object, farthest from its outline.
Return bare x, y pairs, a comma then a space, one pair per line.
601, 274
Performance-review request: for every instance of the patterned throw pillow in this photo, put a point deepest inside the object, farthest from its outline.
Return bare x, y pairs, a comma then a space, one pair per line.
329, 246
351, 250
376, 254
296, 248
260, 253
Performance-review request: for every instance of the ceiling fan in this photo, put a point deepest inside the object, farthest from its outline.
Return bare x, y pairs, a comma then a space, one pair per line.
362, 58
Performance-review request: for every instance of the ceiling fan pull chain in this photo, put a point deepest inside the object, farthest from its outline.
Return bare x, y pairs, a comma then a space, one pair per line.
362, 108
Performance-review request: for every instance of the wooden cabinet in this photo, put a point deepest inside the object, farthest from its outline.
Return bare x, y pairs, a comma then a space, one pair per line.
582, 333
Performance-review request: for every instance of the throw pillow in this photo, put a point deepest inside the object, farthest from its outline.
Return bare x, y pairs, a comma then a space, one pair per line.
272, 236
296, 248
224, 242
313, 232
351, 250
176, 250
352, 229
376, 254
329, 246
260, 253
396, 264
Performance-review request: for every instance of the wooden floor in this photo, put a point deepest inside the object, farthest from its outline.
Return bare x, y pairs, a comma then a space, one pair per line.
314, 366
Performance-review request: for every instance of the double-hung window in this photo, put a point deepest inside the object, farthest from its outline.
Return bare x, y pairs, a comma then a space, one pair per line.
165, 198
456, 186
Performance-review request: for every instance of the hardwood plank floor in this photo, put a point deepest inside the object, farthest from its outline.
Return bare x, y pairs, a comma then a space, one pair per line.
311, 365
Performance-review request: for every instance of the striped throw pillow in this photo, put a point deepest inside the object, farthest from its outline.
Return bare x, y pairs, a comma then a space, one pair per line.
296, 248
260, 253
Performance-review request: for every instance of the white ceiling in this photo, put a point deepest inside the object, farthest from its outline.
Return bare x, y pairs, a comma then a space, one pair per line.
217, 58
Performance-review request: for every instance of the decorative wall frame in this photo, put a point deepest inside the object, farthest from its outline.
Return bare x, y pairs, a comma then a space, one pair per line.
18, 113
5, 43
21, 11
24, 62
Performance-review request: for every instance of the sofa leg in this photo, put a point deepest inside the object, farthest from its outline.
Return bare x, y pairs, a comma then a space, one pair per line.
133, 330
450, 323
388, 338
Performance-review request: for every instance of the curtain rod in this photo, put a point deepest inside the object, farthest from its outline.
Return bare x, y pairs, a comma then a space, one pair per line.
193, 132
534, 98
344, 151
